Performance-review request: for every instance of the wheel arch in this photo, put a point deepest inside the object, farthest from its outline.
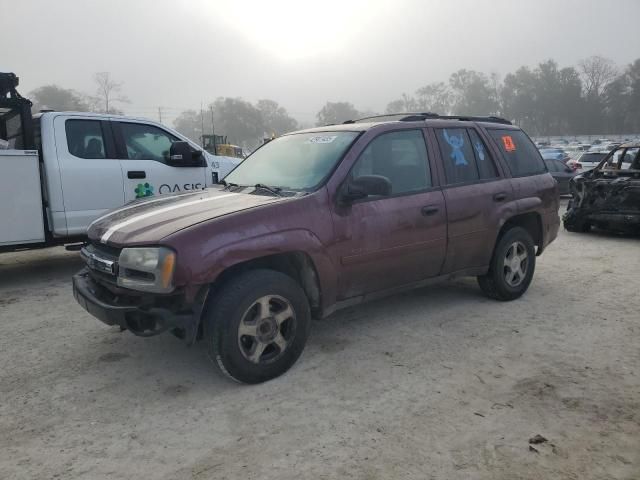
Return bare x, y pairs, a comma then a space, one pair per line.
296, 264
531, 222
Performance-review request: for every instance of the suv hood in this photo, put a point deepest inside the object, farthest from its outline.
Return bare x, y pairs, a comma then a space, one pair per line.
150, 220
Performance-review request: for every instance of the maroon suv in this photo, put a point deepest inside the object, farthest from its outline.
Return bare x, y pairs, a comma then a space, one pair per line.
318, 220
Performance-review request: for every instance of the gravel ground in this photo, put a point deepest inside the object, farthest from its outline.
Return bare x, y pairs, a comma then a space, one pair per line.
439, 383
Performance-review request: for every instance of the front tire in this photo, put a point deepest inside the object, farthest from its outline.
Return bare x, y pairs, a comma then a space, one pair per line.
257, 325
512, 266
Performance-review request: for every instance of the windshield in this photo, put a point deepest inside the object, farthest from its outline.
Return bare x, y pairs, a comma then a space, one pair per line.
293, 162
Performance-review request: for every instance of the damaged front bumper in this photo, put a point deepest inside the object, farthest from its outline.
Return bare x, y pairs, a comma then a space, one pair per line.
142, 316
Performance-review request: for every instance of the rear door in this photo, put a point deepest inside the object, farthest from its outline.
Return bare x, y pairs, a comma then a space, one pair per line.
475, 192
390, 241
90, 172
143, 150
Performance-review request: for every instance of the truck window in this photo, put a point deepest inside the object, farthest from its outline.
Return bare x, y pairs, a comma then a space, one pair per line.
146, 142
521, 154
85, 138
399, 156
457, 155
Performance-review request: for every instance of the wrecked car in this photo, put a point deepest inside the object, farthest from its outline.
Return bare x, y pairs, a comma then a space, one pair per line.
318, 220
608, 196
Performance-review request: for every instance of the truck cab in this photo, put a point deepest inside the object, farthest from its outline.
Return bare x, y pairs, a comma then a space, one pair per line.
96, 162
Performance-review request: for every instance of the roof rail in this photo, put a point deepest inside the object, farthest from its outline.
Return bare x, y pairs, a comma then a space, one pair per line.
471, 118
416, 117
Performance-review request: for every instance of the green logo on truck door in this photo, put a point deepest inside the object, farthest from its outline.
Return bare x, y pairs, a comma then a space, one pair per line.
144, 190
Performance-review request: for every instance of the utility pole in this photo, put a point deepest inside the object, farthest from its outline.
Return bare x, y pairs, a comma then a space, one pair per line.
201, 125
160, 114
213, 131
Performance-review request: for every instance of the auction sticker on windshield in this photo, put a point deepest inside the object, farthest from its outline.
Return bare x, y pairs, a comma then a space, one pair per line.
322, 139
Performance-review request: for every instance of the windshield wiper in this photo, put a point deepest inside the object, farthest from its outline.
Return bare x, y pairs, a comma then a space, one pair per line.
274, 190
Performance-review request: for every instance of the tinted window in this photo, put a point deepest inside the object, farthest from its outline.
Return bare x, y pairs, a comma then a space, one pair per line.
560, 166
592, 157
551, 166
555, 166
520, 153
399, 156
457, 155
486, 167
146, 142
85, 138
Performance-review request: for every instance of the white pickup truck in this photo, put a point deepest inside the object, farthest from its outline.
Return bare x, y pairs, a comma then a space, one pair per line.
79, 165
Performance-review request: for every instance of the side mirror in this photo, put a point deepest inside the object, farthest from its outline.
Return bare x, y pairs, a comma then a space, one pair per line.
180, 155
365, 186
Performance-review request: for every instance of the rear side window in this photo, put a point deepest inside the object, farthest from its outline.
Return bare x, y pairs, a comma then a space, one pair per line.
457, 155
486, 167
521, 154
85, 138
555, 166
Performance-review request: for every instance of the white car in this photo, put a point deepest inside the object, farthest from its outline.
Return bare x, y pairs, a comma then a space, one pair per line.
587, 161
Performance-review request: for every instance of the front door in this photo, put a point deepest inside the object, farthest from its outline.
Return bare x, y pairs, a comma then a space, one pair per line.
89, 170
144, 156
384, 242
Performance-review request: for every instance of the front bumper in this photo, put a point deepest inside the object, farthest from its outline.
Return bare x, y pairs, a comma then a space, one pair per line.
142, 320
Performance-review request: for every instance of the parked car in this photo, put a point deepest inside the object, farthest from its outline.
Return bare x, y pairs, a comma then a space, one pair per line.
607, 196
587, 161
318, 220
561, 173
553, 152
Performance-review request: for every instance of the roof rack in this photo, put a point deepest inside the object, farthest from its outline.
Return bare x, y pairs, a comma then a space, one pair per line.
416, 117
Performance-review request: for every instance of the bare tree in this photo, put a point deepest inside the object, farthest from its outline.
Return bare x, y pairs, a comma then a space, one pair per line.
108, 92
597, 72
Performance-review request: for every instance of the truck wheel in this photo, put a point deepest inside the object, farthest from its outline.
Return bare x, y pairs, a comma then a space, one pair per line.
257, 325
512, 266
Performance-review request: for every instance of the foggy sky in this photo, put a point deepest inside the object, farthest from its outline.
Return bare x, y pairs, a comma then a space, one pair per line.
176, 54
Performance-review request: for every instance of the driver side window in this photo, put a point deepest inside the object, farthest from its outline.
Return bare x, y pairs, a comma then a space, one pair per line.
146, 142
399, 156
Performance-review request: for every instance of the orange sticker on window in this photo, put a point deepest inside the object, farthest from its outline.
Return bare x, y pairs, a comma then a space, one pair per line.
509, 146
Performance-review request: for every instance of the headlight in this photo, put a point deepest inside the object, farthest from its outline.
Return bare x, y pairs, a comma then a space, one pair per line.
149, 269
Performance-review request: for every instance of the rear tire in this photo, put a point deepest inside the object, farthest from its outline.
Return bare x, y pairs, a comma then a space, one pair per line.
257, 325
512, 266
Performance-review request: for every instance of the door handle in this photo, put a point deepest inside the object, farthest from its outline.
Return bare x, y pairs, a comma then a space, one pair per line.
136, 174
500, 197
429, 210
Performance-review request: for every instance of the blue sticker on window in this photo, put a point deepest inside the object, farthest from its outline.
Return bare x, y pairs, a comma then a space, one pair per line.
456, 142
479, 150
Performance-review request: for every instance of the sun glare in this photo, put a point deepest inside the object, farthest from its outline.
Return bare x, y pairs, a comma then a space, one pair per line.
295, 29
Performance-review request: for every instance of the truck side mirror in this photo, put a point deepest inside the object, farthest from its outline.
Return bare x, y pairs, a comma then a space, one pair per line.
365, 186
181, 155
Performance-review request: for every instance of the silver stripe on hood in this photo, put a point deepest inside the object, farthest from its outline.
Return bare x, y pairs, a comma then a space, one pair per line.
159, 211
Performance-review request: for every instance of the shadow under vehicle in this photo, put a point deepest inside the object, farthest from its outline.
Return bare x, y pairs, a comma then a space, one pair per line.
607, 197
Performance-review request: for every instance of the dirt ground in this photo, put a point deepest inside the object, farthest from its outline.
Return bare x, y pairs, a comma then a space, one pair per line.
439, 383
